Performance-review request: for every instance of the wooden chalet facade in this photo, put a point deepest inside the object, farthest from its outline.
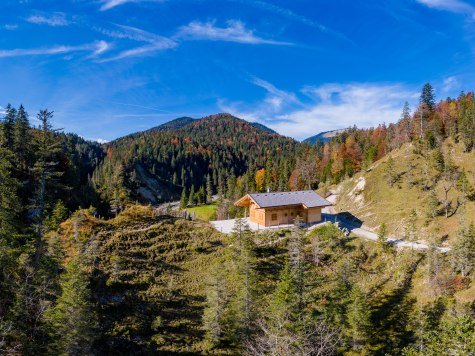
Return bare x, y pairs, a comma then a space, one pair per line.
281, 208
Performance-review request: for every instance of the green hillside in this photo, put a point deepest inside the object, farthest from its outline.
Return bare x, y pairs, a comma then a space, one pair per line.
148, 278
154, 280
420, 181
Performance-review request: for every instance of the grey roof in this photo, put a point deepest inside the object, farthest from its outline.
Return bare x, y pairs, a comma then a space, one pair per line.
307, 197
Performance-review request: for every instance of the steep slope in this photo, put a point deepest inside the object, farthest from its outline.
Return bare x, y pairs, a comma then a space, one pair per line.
148, 276
216, 148
155, 280
418, 186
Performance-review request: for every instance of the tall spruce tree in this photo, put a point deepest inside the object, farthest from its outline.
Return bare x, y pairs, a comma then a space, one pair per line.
191, 197
215, 313
45, 172
72, 320
244, 277
9, 201
463, 251
427, 97
209, 190
359, 317
183, 199
21, 143
8, 127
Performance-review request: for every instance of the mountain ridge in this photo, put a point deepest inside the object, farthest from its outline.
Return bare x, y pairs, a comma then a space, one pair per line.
182, 122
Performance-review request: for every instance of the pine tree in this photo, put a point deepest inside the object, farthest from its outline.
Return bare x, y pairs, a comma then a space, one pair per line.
183, 199
200, 196
406, 121
231, 186
464, 186
45, 172
209, 190
359, 317
433, 204
463, 251
268, 176
7, 138
297, 262
284, 302
437, 160
391, 174
58, 215
21, 141
214, 316
410, 231
243, 301
72, 320
183, 177
383, 236
427, 97
191, 197
9, 201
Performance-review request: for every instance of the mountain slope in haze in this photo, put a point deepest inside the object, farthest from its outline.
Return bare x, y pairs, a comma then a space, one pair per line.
213, 152
323, 136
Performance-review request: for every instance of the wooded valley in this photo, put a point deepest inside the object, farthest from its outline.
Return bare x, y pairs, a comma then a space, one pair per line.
94, 262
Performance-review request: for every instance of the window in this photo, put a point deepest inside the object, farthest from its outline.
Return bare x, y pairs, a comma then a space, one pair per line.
285, 214
274, 217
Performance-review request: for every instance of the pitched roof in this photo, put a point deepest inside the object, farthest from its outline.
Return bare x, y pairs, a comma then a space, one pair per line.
306, 197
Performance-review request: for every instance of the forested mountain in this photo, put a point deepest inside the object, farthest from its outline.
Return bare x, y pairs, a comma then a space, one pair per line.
212, 156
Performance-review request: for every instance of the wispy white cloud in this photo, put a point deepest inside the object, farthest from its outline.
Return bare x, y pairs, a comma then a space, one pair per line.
55, 19
143, 50
155, 43
331, 106
275, 98
449, 83
130, 33
235, 31
456, 6
109, 4
101, 47
95, 48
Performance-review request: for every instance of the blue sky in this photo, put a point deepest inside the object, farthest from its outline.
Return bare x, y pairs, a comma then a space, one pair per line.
111, 67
